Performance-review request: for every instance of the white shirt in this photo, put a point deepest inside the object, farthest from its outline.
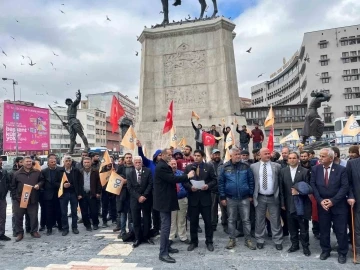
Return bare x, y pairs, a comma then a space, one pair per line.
270, 182
329, 170
293, 173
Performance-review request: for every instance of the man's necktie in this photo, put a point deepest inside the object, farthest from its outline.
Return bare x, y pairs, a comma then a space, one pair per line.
264, 185
198, 171
326, 177
139, 177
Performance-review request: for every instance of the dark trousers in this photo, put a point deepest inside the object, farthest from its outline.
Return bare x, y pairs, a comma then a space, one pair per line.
108, 202
340, 230
141, 232
89, 208
284, 218
43, 218
32, 210
53, 212
165, 233
199, 146
13, 220
298, 224
3, 205
64, 202
315, 227
214, 209
205, 212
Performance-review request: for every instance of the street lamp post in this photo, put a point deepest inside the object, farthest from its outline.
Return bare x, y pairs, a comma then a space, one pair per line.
15, 114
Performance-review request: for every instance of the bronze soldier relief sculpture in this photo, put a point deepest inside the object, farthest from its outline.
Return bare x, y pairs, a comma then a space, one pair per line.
203, 5
73, 125
314, 125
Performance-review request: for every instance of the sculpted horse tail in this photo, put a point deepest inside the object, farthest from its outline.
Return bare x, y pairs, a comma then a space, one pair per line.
203, 5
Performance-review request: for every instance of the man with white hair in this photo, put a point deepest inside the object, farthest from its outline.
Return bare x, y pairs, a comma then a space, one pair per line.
140, 186
330, 186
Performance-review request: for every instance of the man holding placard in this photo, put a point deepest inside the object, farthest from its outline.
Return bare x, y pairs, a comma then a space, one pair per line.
25, 186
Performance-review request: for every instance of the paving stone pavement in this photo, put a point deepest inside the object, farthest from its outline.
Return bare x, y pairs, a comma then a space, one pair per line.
101, 250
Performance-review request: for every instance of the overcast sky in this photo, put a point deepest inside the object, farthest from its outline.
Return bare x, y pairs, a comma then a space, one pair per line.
97, 55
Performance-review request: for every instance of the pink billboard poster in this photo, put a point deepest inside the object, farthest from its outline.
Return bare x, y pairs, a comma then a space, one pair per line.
32, 128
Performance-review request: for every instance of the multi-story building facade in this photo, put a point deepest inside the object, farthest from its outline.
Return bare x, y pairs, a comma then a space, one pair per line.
328, 60
112, 139
102, 101
59, 136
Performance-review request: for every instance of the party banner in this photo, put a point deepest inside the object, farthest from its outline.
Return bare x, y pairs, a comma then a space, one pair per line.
25, 196
61, 188
115, 183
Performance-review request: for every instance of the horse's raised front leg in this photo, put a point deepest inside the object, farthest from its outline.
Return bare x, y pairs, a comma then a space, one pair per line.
215, 9
203, 7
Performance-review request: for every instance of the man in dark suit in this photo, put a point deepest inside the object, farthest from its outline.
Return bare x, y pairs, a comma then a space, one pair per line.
289, 178
140, 185
165, 200
330, 186
200, 199
52, 176
353, 172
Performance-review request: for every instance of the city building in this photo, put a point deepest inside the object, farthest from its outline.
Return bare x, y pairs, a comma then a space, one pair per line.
328, 60
59, 136
102, 101
112, 139
245, 102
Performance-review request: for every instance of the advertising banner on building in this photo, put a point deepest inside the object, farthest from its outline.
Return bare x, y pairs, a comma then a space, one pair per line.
33, 128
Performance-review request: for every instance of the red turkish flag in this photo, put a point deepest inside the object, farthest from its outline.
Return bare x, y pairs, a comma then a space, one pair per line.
169, 119
270, 145
208, 139
116, 112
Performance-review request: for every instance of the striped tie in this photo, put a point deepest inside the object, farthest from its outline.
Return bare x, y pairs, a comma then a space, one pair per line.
264, 184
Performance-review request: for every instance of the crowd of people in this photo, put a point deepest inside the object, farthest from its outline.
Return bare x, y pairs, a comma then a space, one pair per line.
271, 194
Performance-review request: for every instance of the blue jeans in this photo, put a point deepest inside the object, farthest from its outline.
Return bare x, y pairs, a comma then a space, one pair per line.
257, 145
165, 233
242, 207
64, 201
244, 146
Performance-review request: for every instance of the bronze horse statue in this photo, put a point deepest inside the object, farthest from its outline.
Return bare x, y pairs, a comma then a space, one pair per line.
203, 5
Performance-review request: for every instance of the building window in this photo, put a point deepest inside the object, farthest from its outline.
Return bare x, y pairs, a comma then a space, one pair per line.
357, 108
97, 114
345, 54
323, 45
348, 90
327, 118
348, 96
355, 78
97, 131
353, 53
346, 60
90, 118
346, 72
347, 78
323, 57
344, 43
91, 136
353, 59
90, 127
356, 95
327, 109
324, 63
352, 41
349, 108
325, 80
354, 71
356, 89
324, 74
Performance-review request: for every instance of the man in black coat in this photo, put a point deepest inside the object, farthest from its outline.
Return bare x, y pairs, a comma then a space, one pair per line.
353, 172
329, 182
289, 177
52, 176
4, 188
199, 200
140, 186
166, 201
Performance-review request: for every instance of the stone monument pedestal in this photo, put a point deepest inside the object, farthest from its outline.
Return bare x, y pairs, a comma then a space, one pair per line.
192, 64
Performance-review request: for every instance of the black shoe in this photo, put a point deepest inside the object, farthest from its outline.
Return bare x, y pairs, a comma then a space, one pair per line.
293, 248
89, 229
324, 255
3, 237
150, 242
173, 250
136, 244
75, 231
65, 232
306, 251
167, 259
95, 227
210, 247
260, 245
187, 241
279, 246
49, 232
41, 229
199, 229
342, 259
192, 247
105, 225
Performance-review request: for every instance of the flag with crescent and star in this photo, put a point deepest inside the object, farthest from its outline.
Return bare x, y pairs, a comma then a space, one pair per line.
169, 119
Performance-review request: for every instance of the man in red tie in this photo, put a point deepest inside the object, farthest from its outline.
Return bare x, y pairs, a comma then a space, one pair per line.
330, 186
